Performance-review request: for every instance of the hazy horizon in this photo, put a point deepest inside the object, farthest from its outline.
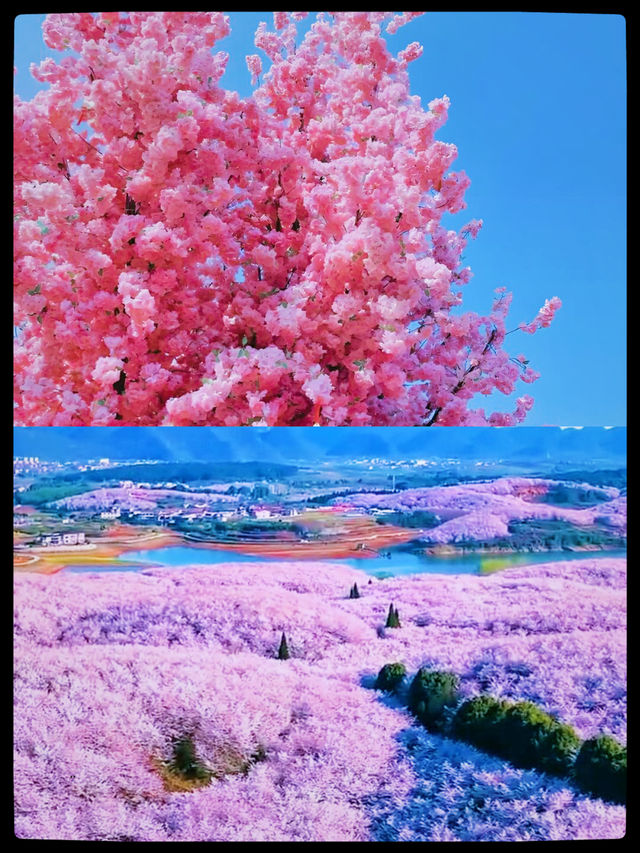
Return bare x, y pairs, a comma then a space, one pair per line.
283, 444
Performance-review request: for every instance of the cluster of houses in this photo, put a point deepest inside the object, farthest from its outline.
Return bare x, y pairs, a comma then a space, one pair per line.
33, 465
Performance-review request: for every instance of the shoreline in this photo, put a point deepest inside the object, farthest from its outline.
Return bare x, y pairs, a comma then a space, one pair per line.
355, 538
452, 551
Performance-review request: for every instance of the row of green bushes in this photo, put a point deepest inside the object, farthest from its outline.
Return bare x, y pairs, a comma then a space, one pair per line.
418, 518
520, 732
568, 494
602, 477
555, 535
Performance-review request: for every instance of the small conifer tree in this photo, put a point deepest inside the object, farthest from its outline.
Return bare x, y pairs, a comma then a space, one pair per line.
186, 762
283, 650
393, 617
354, 592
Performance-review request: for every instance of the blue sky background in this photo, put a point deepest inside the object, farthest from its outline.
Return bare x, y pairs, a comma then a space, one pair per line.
592, 447
538, 113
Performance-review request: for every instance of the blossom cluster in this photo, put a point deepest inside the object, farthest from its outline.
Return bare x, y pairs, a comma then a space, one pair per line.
185, 256
110, 667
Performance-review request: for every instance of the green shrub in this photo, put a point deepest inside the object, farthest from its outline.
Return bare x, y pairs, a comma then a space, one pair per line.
522, 733
283, 649
601, 768
430, 693
478, 720
558, 750
390, 677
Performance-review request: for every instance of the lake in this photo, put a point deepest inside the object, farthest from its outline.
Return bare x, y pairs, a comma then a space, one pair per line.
399, 562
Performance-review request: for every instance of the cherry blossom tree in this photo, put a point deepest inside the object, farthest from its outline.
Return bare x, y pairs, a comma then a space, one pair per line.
185, 256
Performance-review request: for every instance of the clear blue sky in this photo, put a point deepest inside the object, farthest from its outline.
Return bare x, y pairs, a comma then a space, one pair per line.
538, 113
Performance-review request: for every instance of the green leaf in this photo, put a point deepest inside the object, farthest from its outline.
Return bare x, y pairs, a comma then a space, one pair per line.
35, 291
360, 363
245, 340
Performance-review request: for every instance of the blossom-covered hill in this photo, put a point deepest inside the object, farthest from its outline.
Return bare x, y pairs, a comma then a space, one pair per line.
130, 498
483, 511
110, 667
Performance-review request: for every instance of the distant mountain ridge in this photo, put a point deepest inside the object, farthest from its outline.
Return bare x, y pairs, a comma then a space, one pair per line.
297, 444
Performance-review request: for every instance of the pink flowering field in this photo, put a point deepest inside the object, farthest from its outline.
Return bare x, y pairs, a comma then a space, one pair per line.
110, 667
187, 256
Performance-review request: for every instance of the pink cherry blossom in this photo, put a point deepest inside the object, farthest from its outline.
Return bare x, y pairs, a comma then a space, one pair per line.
166, 222
543, 317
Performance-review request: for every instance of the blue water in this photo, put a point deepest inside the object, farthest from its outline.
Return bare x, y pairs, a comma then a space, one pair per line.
398, 563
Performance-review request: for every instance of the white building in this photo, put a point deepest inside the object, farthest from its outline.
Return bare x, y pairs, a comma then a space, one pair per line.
53, 539
111, 513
